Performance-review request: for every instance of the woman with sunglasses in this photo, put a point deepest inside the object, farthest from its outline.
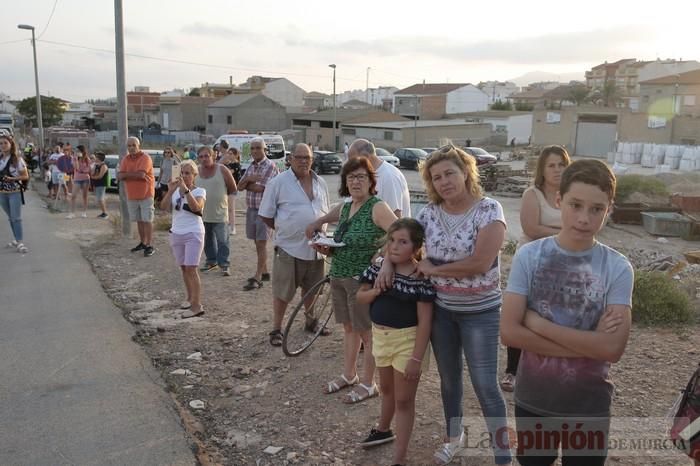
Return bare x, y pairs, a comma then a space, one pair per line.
13, 171
363, 222
187, 231
464, 231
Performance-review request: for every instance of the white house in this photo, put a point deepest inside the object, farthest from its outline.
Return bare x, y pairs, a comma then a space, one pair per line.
438, 100
508, 124
498, 91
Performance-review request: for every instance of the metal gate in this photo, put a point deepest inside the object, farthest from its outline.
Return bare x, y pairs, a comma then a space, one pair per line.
595, 139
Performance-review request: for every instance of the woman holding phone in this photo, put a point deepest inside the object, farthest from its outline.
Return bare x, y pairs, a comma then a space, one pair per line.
187, 232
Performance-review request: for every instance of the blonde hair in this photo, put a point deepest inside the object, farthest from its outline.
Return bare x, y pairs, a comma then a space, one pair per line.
191, 164
464, 162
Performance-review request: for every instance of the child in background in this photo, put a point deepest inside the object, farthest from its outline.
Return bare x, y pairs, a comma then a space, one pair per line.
568, 306
401, 322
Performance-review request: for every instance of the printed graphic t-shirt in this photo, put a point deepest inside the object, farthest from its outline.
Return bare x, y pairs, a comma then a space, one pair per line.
571, 289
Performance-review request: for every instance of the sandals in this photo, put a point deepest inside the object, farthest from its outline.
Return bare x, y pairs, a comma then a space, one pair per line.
253, 284
276, 338
185, 305
448, 451
192, 313
355, 397
508, 383
312, 325
340, 383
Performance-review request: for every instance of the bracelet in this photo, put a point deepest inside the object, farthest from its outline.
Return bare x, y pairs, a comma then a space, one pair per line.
413, 358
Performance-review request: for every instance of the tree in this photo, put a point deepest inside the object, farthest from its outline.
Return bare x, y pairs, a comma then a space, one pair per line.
577, 94
194, 92
610, 94
51, 110
524, 107
499, 105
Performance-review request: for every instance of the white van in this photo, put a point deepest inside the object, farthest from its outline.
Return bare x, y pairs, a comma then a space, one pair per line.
274, 143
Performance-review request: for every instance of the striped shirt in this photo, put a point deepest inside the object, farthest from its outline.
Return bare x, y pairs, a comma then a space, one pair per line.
267, 170
451, 238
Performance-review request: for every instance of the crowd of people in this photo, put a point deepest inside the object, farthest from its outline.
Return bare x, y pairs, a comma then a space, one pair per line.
404, 287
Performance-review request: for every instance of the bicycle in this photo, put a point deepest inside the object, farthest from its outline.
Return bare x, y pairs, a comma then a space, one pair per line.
297, 336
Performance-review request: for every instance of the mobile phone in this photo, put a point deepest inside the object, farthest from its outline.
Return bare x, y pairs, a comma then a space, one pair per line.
176, 173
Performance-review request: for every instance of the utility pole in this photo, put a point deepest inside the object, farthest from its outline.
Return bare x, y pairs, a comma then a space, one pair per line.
122, 123
39, 117
335, 114
367, 85
415, 120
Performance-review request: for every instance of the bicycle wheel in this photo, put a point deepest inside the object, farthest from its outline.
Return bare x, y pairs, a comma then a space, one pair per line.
297, 336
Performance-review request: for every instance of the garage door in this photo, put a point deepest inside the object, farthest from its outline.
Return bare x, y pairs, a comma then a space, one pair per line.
595, 139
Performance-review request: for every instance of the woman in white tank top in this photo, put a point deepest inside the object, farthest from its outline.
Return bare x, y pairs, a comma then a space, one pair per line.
539, 218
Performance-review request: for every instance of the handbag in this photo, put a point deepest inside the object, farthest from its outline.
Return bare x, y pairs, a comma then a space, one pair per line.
685, 424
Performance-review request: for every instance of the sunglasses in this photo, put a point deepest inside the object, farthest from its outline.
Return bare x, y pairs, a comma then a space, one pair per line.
178, 204
339, 233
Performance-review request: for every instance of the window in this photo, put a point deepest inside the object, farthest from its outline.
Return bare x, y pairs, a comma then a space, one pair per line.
210, 119
689, 100
349, 131
388, 136
229, 119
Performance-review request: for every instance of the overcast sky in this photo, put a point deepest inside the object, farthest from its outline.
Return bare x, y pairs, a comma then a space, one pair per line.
182, 43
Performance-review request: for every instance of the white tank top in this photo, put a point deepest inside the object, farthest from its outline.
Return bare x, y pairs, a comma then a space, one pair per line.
549, 216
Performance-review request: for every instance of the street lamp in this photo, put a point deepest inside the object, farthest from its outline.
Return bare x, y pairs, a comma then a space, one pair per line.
335, 113
39, 117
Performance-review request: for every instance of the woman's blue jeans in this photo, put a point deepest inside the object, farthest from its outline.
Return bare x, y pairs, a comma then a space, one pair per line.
11, 203
476, 336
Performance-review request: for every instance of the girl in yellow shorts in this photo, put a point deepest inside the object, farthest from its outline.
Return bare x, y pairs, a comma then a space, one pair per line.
401, 319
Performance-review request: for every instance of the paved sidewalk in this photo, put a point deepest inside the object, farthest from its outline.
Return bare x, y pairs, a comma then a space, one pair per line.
74, 388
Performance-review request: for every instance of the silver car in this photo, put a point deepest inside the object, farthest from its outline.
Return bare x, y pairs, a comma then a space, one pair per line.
386, 156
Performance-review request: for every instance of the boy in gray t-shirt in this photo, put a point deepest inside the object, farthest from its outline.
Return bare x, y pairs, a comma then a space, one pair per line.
568, 306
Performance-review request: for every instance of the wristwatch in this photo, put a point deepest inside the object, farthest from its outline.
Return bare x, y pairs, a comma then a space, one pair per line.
187, 192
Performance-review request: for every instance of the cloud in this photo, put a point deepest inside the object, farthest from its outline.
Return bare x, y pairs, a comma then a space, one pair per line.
559, 48
219, 32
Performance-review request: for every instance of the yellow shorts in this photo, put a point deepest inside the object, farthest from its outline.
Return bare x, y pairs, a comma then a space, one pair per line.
394, 347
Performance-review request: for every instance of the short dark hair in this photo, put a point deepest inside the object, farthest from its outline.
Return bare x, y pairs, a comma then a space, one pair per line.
356, 164
589, 171
223, 144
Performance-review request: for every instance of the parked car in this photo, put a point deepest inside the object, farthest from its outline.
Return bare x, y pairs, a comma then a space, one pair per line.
112, 161
482, 157
429, 150
386, 156
327, 162
410, 157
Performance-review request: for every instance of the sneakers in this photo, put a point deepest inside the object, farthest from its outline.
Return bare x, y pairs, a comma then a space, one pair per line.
447, 452
84, 215
148, 251
139, 247
508, 383
225, 271
265, 277
377, 437
103, 215
71, 215
208, 267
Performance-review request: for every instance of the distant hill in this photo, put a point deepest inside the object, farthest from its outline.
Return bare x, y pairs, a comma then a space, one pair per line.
537, 76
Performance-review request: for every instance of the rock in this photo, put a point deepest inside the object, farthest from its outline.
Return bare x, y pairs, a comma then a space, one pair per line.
242, 389
195, 356
181, 372
197, 404
662, 240
188, 387
292, 455
272, 450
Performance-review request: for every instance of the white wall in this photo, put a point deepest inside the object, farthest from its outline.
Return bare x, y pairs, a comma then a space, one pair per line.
466, 99
520, 128
285, 93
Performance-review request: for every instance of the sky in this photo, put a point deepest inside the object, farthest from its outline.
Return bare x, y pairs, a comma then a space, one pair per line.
182, 44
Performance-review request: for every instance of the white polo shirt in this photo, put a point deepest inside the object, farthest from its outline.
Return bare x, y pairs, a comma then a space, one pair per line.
392, 188
286, 201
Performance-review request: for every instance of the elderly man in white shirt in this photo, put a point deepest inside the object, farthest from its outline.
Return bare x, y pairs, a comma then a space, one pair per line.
291, 201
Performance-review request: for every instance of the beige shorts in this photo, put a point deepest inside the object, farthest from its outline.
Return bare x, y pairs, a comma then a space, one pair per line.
394, 347
141, 211
345, 307
289, 273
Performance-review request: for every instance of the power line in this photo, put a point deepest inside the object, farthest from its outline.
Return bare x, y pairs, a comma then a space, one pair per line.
13, 41
185, 62
49, 21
